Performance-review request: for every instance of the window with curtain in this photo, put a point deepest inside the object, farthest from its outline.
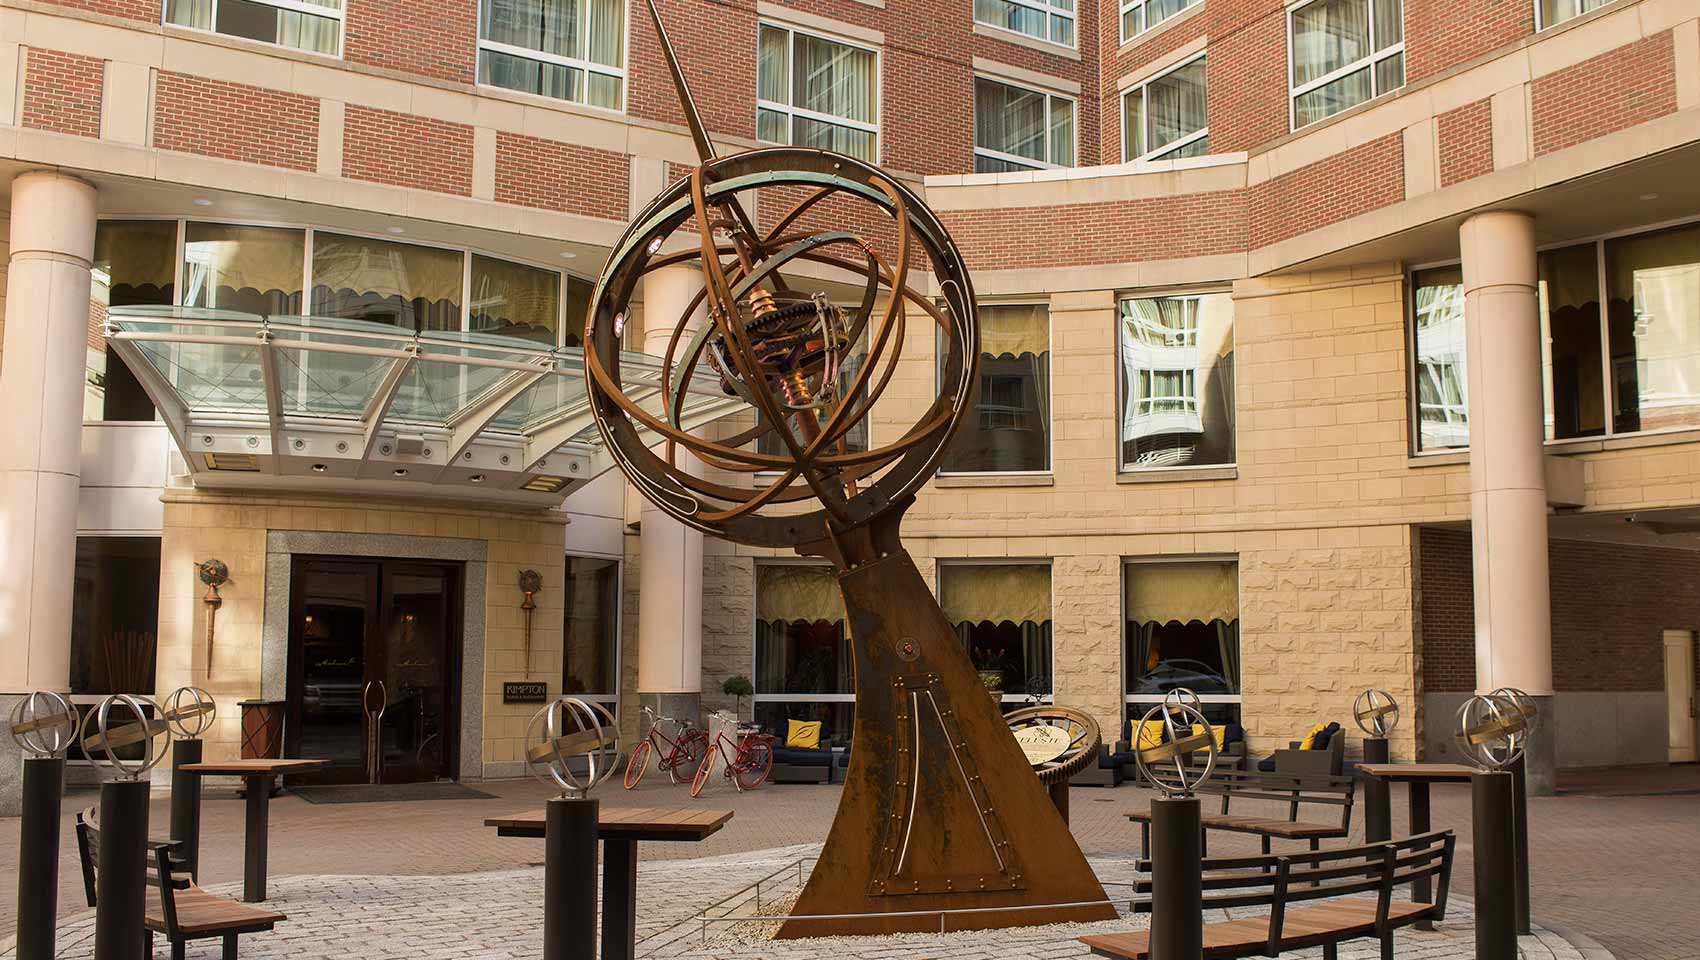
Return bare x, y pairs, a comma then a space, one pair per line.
1167, 116
1008, 426
804, 668
381, 281
1051, 20
1016, 128
1139, 16
578, 310
814, 91
114, 615
314, 25
1182, 630
1002, 614
513, 300
1342, 53
134, 265
1653, 320
251, 269
567, 49
1177, 380
1441, 385
590, 667
1550, 13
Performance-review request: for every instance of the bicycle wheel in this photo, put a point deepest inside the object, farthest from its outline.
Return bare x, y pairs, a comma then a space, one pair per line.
638, 763
687, 755
755, 762
701, 779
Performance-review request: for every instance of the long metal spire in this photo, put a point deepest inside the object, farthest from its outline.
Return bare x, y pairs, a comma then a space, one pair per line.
693, 119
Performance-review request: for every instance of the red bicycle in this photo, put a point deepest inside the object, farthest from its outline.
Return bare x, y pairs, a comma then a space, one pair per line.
675, 754
749, 758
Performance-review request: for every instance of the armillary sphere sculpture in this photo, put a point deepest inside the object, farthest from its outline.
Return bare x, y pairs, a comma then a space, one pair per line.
43, 723
1180, 715
1491, 731
565, 728
1376, 712
102, 736
190, 719
940, 809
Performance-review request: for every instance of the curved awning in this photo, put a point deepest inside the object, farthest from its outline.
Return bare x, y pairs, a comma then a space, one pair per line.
333, 405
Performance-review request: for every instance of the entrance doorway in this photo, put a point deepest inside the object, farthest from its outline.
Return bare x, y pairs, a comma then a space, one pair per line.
1679, 694
374, 669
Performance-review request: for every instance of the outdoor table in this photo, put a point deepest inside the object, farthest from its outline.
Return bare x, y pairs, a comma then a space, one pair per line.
1378, 805
257, 776
620, 829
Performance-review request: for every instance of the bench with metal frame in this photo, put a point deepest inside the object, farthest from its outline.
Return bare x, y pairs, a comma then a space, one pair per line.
1295, 791
174, 906
1314, 899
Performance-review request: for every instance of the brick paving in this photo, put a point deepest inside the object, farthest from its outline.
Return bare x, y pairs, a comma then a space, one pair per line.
1613, 864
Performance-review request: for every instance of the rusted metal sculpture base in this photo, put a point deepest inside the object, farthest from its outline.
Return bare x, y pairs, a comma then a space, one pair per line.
941, 810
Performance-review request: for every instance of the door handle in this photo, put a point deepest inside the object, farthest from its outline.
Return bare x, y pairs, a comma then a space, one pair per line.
374, 727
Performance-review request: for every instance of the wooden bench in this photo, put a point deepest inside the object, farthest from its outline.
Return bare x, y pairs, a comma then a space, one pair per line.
1294, 791
1314, 899
175, 907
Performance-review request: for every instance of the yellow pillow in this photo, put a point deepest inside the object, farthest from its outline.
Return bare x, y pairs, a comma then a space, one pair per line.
1309, 742
1219, 732
803, 733
1145, 734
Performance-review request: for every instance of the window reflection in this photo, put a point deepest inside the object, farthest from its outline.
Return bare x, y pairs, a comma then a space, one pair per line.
1002, 614
1177, 380
1570, 321
514, 300
1654, 285
1008, 427
251, 269
380, 281
1442, 388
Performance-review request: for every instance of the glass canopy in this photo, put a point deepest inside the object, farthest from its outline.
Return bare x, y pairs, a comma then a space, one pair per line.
327, 403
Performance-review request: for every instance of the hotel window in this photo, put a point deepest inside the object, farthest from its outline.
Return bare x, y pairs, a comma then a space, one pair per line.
591, 638
1182, 630
1343, 52
1139, 16
314, 25
813, 91
1051, 20
114, 615
134, 265
1167, 116
380, 281
1008, 425
514, 300
567, 49
1177, 380
1001, 613
804, 668
1442, 389
251, 269
1653, 324
1016, 128
1550, 13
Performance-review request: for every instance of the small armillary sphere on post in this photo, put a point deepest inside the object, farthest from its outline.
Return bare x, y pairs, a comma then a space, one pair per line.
1491, 731
1180, 715
808, 315
43, 723
104, 736
566, 729
1376, 712
189, 712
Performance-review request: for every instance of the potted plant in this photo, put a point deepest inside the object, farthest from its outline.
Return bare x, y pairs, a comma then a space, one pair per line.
738, 686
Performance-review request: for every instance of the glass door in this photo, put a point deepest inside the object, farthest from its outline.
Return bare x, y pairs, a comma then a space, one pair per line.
419, 617
331, 627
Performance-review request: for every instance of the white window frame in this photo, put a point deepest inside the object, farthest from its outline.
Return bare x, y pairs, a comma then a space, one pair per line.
555, 59
1294, 90
1049, 563
1122, 386
793, 112
1142, 89
1540, 25
1049, 11
1154, 699
1027, 162
293, 6
1145, 25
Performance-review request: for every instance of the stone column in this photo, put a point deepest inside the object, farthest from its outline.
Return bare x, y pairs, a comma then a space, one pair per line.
41, 392
670, 564
1508, 497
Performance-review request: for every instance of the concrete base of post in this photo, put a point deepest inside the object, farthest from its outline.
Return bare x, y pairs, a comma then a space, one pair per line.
38, 857
1376, 750
569, 879
121, 878
1177, 885
1495, 866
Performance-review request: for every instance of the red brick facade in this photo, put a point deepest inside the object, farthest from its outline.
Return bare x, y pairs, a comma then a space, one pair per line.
440, 41
147, 10
1440, 34
407, 150
62, 92
1247, 78
561, 176
1362, 179
1610, 92
1610, 605
1466, 142
235, 121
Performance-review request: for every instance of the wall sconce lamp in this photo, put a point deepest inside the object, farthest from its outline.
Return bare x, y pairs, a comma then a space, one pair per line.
530, 583
214, 574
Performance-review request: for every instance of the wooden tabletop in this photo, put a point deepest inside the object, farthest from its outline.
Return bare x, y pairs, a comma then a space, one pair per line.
252, 767
1431, 772
686, 824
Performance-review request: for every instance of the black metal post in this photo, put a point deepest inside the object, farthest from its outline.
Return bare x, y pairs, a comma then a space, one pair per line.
38, 856
186, 803
1520, 823
121, 879
256, 836
1495, 853
1378, 809
569, 879
1177, 886
1375, 750
619, 899
1422, 888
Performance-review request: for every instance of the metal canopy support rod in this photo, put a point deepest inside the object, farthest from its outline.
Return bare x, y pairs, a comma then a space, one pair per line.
274, 396
469, 423
379, 406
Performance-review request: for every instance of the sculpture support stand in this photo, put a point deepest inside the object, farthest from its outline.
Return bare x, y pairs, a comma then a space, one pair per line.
569, 879
1495, 862
1520, 837
1375, 750
1059, 798
186, 802
1177, 885
121, 883
38, 856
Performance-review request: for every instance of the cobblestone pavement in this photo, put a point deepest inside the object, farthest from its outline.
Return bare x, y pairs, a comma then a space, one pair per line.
1614, 863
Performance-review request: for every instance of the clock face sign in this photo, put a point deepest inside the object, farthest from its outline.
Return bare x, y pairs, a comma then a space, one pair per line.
1042, 743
